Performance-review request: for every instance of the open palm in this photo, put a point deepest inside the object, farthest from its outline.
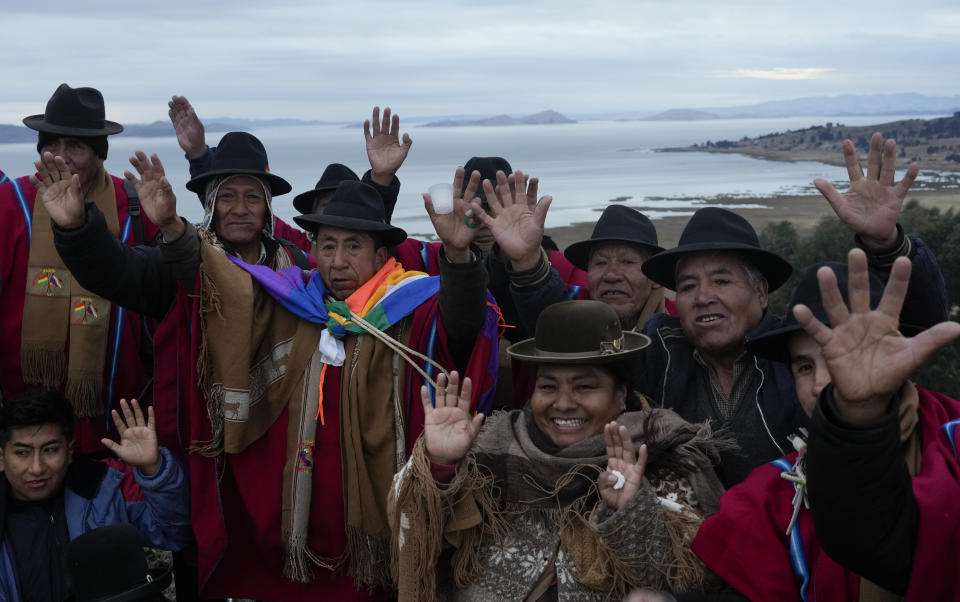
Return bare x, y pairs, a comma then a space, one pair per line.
621, 458
156, 194
384, 150
871, 207
866, 355
453, 228
448, 429
138, 444
517, 217
59, 191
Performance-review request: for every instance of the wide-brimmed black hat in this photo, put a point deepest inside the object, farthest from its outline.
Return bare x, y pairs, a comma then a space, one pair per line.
108, 565
714, 230
354, 206
240, 154
74, 112
617, 223
579, 332
774, 344
488, 168
329, 180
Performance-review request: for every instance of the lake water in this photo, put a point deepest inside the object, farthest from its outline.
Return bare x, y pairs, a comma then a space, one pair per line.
583, 165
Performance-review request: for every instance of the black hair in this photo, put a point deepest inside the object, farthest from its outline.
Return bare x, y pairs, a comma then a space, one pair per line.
624, 375
36, 408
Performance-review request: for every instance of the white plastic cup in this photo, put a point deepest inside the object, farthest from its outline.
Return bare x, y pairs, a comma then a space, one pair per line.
442, 197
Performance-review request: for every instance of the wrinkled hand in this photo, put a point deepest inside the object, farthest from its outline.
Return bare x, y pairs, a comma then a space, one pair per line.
452, 228
59, 191
621, 457
517, 217
448, 428
871, 207
156, 195
138, 444
384, 150
190, 133
866, 355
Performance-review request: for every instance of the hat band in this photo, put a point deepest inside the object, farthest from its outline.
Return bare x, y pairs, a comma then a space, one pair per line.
606, 348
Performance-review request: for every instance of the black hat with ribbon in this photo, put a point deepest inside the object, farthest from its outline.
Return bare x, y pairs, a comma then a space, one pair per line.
617, 223
717, 230
329, 180
579, 332
240, 154
76, 112
108, 564
354, 206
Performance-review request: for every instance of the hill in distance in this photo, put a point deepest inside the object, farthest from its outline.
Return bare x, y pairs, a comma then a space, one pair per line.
542, 118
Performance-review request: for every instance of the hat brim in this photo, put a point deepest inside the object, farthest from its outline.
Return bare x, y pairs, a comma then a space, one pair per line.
390, 235
160, 579
278, 185
38, 123
579, 252
662, 267
303, 202
526, 351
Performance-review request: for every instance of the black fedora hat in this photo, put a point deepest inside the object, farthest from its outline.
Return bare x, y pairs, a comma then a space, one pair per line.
354, 206
773, 344
713, 230
579, 332
74, 112
329, 180
108, 565
488, 168
240, 154
617, 223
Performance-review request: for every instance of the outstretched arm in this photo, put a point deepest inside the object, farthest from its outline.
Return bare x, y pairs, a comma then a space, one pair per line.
188, 127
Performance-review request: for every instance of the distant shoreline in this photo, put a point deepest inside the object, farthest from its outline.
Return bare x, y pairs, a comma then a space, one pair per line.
803, 211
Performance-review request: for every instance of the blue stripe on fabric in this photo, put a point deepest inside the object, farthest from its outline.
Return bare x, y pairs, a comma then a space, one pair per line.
425, 256
120, 314
573, 291
125, 231
431, 343
3, 177
950, 430
25, 208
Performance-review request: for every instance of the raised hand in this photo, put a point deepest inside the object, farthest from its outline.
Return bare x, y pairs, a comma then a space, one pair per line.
138, 444
190, 133
156, 195
59, 191
448, 429
871, 207
456, 229
517, 217
866, 355
622, 458
384, 150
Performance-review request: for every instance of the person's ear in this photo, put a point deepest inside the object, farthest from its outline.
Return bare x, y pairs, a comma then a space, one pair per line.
620, 397
762, 292
1, 459
382, 256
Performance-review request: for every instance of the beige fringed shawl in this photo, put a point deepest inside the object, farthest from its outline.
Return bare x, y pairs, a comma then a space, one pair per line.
520, 510
57, 309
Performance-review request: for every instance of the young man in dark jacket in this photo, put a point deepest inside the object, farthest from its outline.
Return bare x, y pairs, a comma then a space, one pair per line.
48, 498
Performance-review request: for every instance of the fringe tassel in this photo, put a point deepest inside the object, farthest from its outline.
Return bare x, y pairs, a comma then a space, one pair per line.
686, 573
299, 560
475, 483
45, 367
85, 395
368, 560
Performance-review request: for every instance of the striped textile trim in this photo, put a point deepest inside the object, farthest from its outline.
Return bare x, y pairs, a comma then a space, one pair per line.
950, 430
24, 207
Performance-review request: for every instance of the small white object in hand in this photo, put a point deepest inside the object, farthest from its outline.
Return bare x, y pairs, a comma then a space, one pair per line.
621, 480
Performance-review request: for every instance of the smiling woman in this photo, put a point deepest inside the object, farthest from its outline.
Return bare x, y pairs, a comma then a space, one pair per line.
576, 497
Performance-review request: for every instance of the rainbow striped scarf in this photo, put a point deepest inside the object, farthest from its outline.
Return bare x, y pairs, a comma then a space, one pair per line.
389, 296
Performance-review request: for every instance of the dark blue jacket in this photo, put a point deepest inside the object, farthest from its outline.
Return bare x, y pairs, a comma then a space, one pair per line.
98, 494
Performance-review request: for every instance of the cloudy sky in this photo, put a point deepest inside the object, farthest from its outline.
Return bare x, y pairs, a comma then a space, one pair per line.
333, 60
